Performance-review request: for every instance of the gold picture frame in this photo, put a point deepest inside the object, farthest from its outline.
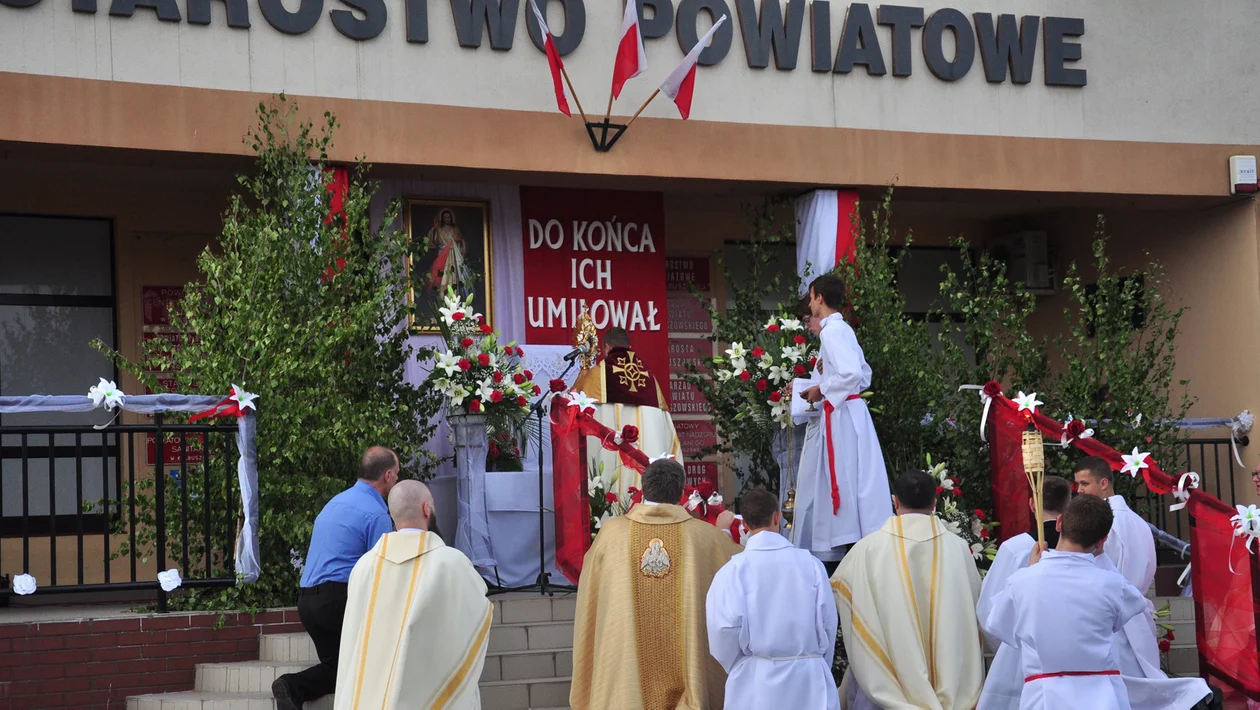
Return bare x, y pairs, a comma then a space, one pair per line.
452, 255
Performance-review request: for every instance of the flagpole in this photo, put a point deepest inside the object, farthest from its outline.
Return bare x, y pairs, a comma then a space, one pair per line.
576, 100
608, 111
645, 105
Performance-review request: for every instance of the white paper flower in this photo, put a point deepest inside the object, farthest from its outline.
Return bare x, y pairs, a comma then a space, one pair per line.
1247, 523
790, 324
1028, 402
106, 393
582, 401
448, 363
244, 400
736, 351
1134, 462
169, 580
1245, 422
24, 584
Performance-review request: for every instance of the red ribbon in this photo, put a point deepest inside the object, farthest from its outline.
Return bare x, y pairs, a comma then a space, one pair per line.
227, 408
1065, 674
828, 407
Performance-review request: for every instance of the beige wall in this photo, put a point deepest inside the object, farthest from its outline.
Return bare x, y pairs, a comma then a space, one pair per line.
1161, 70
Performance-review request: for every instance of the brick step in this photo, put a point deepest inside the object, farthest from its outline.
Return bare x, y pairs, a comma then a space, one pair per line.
200, 700
525, 694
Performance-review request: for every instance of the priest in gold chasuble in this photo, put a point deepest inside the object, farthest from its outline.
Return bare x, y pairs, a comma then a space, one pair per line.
640, 640
628, 394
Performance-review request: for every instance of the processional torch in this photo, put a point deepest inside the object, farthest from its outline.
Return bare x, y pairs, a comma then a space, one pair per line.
1035, 469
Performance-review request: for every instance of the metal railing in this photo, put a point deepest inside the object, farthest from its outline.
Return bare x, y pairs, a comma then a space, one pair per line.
1213, 460
63, 491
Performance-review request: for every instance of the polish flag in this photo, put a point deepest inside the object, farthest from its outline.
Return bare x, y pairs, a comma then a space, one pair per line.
631, 59
553, 61
680, 85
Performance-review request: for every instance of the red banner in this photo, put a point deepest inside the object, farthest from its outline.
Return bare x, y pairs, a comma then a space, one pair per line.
599, 250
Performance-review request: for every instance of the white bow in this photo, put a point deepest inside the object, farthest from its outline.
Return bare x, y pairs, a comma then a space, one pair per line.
1241, 426
694, 501
1190, 479
715, 498
988, 402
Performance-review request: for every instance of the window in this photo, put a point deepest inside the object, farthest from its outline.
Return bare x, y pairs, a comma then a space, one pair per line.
56, 297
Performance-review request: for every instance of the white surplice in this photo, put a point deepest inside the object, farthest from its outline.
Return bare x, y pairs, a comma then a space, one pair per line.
1005, 682
861, 479
772, 625
905, 595
1131, 547
1062, 614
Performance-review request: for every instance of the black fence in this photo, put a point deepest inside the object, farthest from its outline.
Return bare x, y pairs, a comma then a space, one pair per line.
126, 502
1213, 460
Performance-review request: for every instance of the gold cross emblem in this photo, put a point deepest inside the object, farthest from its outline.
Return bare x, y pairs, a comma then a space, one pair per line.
630, 373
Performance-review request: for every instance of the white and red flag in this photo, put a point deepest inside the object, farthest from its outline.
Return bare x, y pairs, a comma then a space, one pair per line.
631, 58
680, 85
553, 61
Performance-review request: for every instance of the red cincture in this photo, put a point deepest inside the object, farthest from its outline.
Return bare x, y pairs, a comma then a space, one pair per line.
1068, 674
828, 408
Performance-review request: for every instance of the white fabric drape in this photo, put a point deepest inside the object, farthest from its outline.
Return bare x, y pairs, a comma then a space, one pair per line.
247, 555
817, 216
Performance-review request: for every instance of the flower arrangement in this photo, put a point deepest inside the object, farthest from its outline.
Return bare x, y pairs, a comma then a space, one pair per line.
1167, 636
972, 526
758, 377
605, 503
475, 373
503, 453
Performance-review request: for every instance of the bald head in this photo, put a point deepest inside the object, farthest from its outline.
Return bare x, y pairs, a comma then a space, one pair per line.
411, 505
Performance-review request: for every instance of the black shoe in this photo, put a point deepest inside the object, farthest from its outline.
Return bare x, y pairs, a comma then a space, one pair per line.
285, 699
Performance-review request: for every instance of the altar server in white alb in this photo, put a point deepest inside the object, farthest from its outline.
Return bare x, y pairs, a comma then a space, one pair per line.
772, 619
844, 485
1062, 614
417, 618
1005, 682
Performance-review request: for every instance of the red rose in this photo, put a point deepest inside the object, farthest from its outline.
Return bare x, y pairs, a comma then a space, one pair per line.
1170, 636
1148, 439
528, 375
745, 376
518, 378
537, 390
992, 389
773, 328
494, 450
758, 352
984, 533
776, 396
610, 497
466, 343
762, 385
522, 402
474, 406
480, 319
979, 514
557, 385
1165, 646
1074, 429
813, 362
957, 491
939, 490
496, 396
954, 481
630, 434
457, 316
483, 360
485, 328
464, 364
799, 340
799, 370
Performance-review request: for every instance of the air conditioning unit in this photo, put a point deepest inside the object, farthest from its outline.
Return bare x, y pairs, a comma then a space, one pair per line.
1028, 261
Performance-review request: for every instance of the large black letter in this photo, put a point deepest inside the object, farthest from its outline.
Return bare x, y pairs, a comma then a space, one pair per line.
199, 13
964, 44
902, 20
1059, 53
497, 15
662, 19
859, 44
820, 35
418, 21
372, 24
85, 6
21, 3
1007, 45
769, 32
685, 25
167, 10
574, 26
291, 23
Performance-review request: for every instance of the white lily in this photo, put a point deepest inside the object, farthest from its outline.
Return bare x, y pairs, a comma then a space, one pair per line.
485, 390
244, 400
792, 354
739, 364
106, 393
780, 413
952, 526
724, 375
458, 394
447, 363
767, 359
779, 374
1134, 462
736, 351
1028, 402
1247, 522
582, 401
977, 550
443, 385
790, 324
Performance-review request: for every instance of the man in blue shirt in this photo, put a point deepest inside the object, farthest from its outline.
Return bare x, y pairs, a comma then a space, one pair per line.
347, 527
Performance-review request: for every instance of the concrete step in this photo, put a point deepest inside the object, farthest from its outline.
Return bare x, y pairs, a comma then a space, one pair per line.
525, 694
529, 636
242, 677
515, 665
199, 700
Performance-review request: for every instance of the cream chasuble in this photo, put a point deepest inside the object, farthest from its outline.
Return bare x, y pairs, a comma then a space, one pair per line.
640, 640
416, 628
906, 595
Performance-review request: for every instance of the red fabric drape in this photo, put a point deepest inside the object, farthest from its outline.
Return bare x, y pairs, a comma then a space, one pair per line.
846, 234
338, 190
569, 480
1225, 606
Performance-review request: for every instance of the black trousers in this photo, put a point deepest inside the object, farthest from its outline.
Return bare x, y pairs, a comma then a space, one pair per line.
322, 609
